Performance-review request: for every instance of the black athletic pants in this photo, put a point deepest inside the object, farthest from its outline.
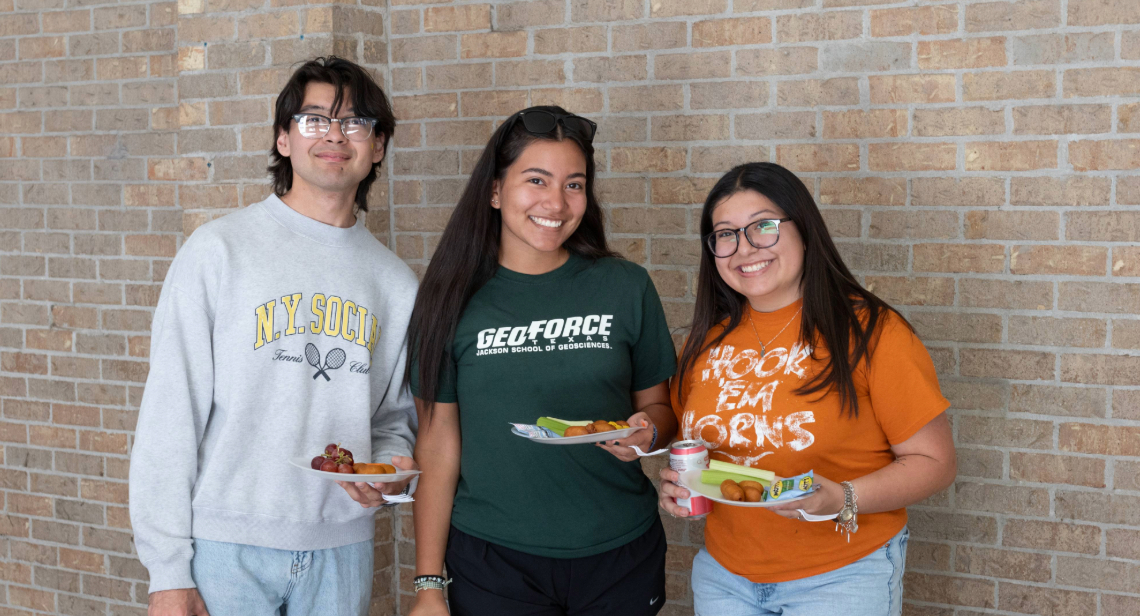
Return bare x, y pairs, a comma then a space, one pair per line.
491, 580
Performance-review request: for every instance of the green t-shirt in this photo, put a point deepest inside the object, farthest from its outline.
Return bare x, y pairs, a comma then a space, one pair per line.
574, 344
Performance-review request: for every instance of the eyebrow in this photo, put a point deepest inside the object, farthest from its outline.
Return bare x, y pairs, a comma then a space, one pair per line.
548, 174
750, 218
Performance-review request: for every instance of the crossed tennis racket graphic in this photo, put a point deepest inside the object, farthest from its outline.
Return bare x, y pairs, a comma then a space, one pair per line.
333, 360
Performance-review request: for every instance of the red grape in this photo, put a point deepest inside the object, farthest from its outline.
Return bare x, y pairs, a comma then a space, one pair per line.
346, 453
328, 466
317, 462
345, 468
331, 449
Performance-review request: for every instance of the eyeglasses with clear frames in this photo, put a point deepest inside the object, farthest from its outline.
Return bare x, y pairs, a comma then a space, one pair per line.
761, 234
314, 126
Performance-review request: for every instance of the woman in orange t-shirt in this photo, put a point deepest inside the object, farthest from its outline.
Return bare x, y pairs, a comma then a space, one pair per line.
792, 366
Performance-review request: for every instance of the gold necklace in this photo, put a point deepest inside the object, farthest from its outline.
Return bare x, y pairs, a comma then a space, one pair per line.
763, 347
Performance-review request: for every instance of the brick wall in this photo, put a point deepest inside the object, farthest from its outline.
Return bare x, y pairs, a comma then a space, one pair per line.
975, 164
86, 98
123, 126
973, 159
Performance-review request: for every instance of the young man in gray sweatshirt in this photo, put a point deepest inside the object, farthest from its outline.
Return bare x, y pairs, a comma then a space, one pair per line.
280, 330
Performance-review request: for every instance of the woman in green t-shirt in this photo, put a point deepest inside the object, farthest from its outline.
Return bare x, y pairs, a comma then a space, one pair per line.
525, 312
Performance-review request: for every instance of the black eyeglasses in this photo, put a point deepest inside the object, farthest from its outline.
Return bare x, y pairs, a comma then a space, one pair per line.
761, 234
314, 126
542, 122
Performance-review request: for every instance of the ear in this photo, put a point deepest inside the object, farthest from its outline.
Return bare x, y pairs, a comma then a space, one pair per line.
495, 194
378, 149
283, 143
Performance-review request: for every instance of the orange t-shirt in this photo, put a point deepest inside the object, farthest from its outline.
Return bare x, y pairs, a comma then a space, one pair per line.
744, 407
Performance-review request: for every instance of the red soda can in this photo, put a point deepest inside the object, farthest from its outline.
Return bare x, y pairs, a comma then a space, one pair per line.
687, 456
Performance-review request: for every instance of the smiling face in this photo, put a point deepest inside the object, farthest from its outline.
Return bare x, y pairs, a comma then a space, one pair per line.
770, 278
542, 198
331, 164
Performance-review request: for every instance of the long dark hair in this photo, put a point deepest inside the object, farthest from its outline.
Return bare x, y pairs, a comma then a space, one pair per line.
837, 311
468, 252
368, 100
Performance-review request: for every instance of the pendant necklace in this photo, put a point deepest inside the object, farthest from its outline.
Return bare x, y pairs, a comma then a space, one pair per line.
763, 347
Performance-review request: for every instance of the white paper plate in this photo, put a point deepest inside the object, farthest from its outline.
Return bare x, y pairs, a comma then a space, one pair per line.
579, 440
303, 464
691, 480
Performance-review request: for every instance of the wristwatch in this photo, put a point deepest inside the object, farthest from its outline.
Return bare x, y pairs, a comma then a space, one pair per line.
849, 514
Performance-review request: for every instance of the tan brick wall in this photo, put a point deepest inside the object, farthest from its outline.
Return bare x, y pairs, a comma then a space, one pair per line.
123, 126
87, 92
975, 161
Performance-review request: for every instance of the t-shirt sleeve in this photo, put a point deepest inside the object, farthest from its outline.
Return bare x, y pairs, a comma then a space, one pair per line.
445, 386
903, 385
653, 356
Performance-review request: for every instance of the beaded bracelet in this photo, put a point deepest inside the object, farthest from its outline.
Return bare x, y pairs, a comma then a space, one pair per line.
429, 582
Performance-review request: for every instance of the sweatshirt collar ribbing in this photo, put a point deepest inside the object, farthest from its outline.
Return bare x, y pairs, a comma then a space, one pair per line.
312, 229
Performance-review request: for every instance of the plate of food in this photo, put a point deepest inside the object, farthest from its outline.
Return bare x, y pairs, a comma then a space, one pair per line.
744, 486
551, 431
337, 464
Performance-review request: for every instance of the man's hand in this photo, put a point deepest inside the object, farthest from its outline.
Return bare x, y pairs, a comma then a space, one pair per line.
178, 602
369, 495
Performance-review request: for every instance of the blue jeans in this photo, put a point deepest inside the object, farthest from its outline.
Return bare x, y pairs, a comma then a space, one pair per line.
246, 580
870, 586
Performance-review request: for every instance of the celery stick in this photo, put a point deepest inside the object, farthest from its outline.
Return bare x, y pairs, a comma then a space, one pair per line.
556, 427
715, 478
754, 473
568, 423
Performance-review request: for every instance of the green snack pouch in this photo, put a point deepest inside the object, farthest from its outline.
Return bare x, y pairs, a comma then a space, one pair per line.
790, 487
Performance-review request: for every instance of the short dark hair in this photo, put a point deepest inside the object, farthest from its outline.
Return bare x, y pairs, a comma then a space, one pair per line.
368, 100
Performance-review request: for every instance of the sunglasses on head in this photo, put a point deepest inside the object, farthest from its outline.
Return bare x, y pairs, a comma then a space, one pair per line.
543, 122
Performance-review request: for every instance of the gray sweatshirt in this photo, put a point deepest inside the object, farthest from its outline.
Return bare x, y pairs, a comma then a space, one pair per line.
274, 336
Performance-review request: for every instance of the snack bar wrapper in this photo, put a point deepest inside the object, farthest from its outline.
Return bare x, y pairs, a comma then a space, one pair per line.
532, 431
790, 487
